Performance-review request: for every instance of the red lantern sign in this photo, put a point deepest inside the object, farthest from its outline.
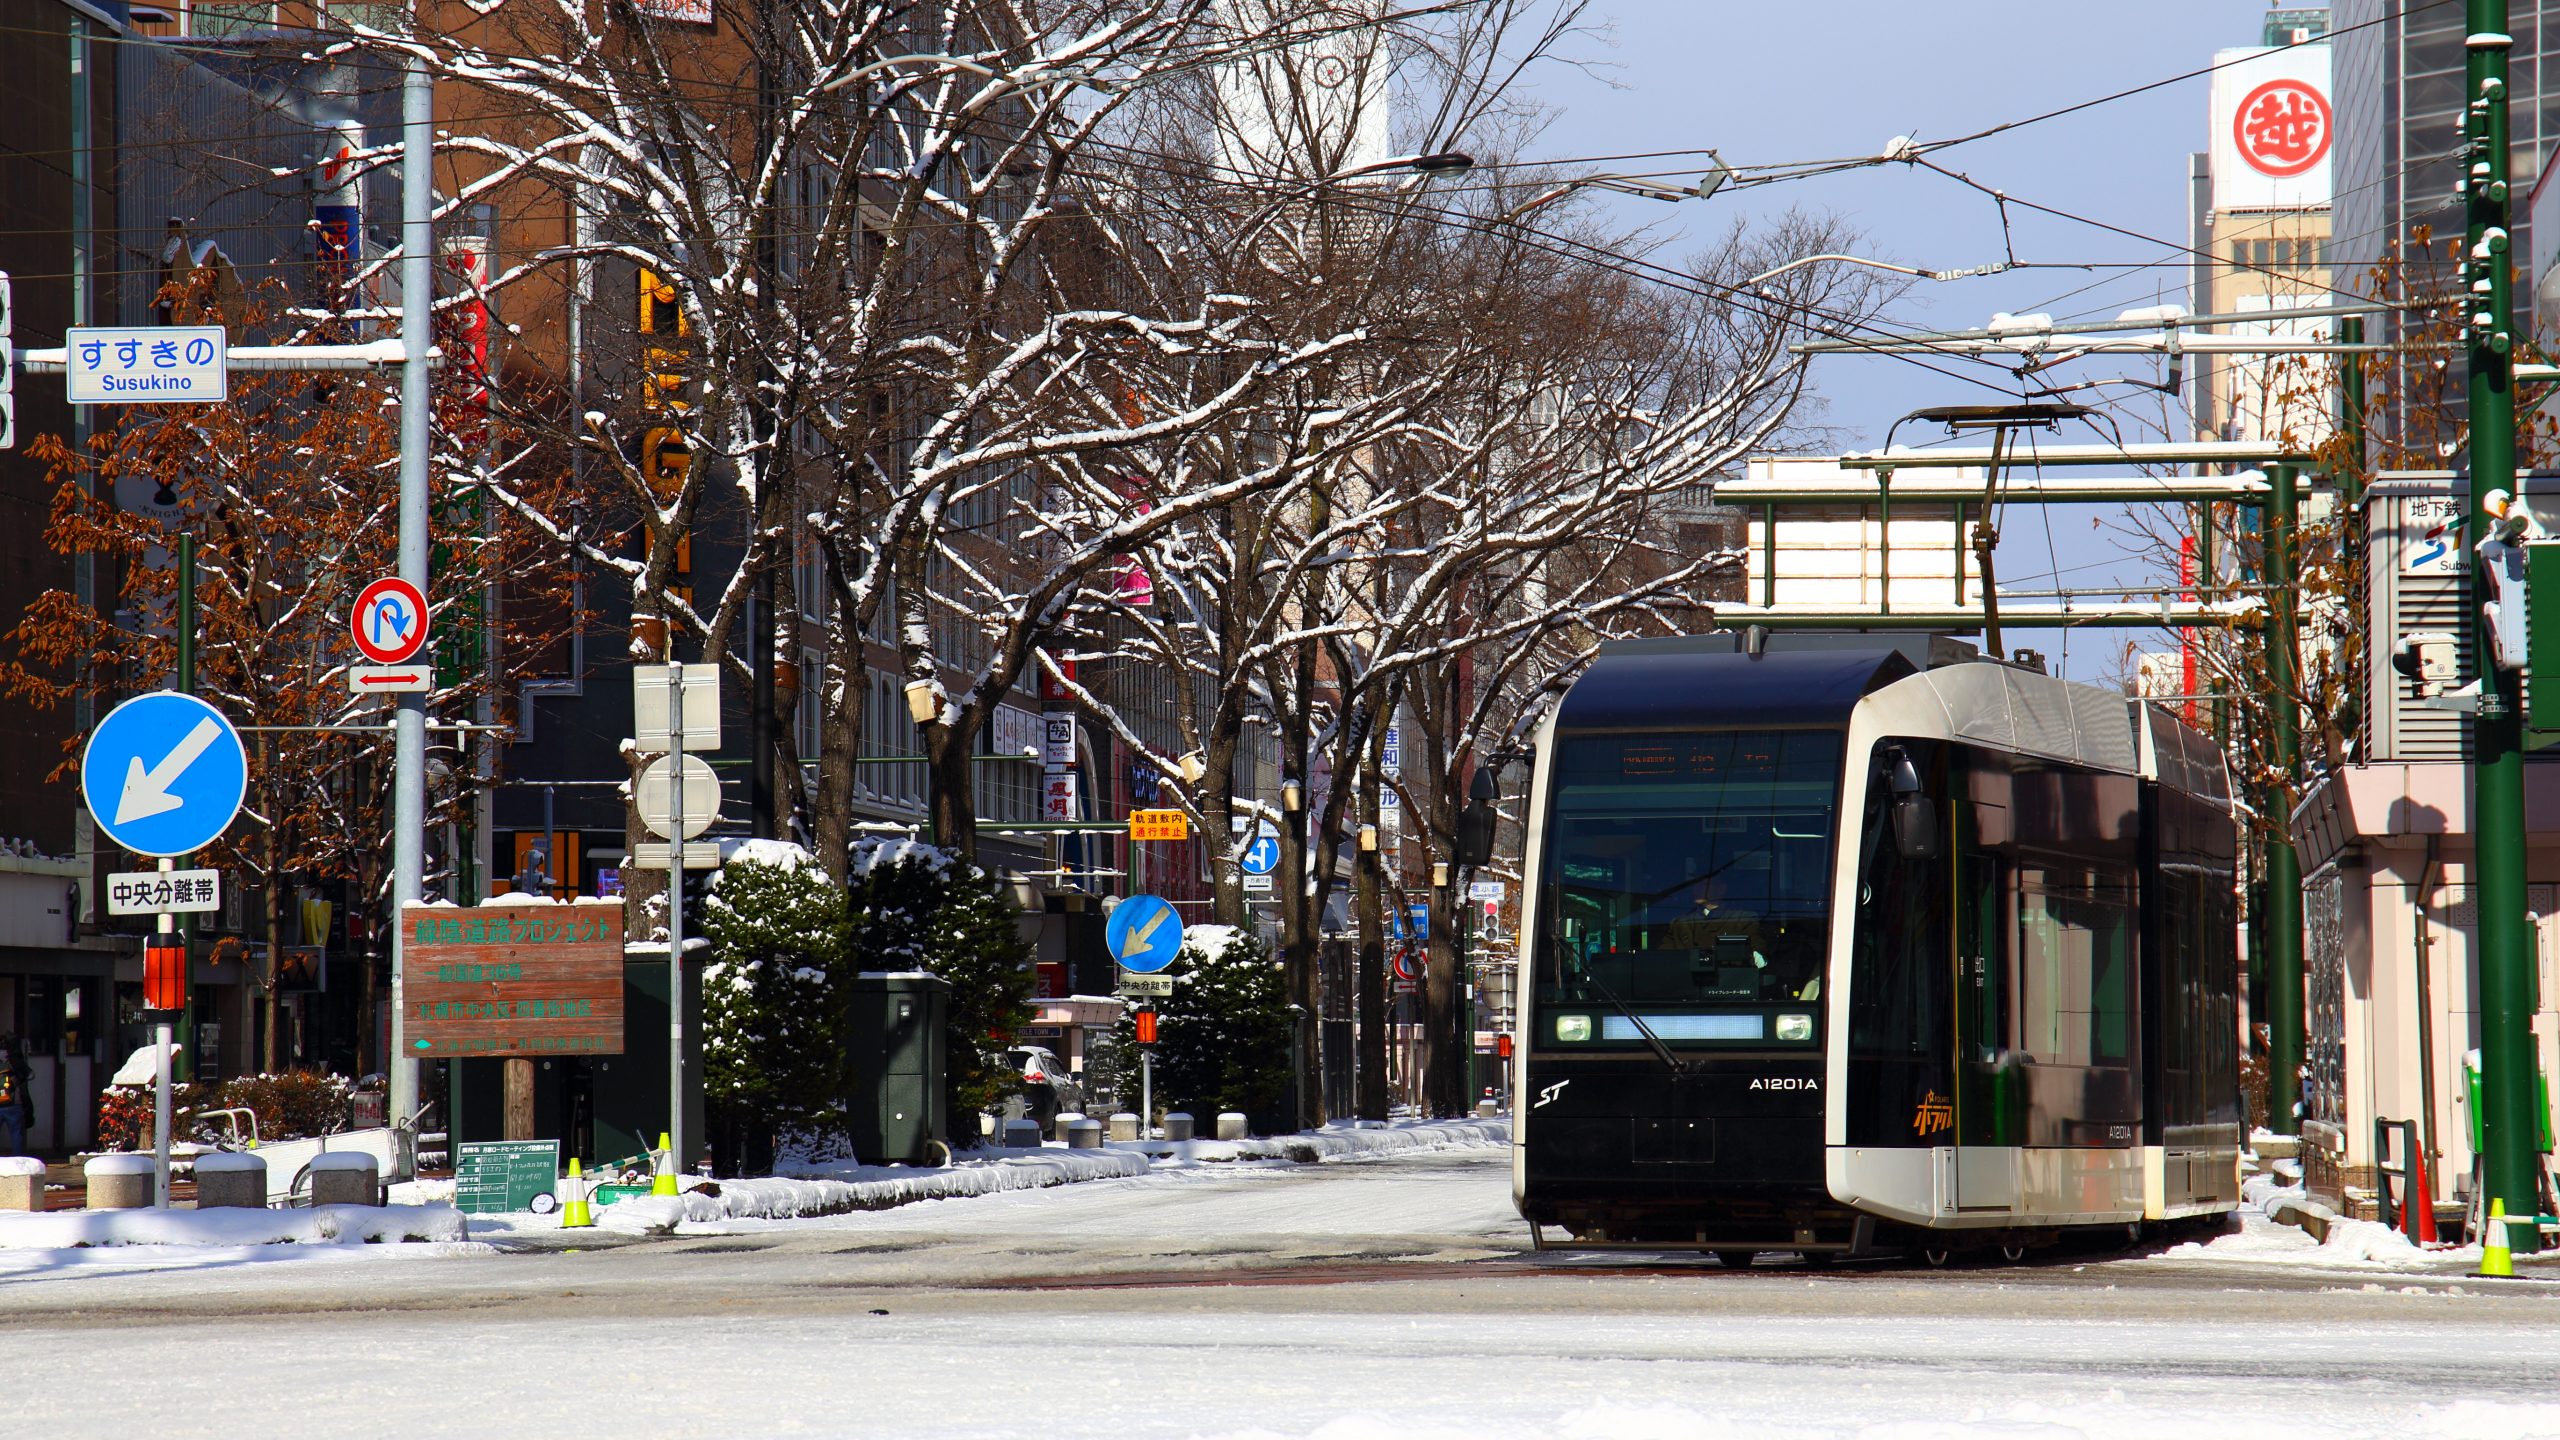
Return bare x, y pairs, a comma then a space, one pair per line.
1146, 1021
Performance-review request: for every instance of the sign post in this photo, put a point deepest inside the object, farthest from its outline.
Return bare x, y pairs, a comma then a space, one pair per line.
674, 705
163, 775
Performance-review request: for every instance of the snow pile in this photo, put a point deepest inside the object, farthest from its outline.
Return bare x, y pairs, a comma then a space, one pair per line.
1346, 1139
1211, 941
319, 1225
867, 1187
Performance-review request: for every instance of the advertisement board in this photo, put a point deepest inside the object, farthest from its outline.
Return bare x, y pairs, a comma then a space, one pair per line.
2272, 132
512, 980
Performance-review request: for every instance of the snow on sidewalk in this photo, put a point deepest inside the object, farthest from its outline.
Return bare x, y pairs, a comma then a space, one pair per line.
2349, 1244
318, 1225
837, 1190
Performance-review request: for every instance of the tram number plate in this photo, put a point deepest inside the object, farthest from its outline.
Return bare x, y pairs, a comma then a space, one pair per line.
1677, 1140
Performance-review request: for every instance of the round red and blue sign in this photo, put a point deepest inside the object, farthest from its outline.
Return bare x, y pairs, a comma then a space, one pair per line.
390, 621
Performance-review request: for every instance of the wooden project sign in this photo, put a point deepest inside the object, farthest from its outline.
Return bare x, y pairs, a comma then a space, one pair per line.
512, 980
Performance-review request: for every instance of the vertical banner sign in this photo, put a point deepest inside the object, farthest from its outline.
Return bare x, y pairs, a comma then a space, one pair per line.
465, 339
337, 213
2271, 128
512, 980
1058, 798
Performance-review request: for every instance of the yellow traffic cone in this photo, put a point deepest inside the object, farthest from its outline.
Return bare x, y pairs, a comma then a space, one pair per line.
663, 1162
2497, 1261
575, 1215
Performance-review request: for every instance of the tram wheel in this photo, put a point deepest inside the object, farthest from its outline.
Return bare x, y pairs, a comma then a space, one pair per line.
1937, 1258
1736, 1259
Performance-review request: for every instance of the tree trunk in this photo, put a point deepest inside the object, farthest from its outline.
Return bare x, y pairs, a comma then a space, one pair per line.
1448, 1032
840, 700
954, 807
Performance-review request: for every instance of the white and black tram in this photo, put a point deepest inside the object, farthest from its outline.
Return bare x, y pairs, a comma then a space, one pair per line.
1843, 943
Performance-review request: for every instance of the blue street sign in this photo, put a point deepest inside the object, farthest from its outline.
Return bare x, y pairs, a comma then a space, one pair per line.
1411, 923
1263, 855
164, 774
1143, 934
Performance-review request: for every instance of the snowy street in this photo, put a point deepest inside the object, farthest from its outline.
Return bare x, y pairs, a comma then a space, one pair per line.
1390, 1296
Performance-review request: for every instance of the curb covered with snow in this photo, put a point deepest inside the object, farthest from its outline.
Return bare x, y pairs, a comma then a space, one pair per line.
318, 1225
867, 1187
1358, 1138
840, 1189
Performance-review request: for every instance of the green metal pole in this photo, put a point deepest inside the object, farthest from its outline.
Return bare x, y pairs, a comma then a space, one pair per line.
2504, 946
182, 1066
2351, 414
2284, 864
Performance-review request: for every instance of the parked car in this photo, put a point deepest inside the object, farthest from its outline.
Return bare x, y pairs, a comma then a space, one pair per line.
1048, 1086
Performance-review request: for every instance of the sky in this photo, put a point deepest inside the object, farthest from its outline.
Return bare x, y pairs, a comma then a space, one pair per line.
1765, 83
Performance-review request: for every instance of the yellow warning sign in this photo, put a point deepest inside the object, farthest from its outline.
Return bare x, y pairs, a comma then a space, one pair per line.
1159, 825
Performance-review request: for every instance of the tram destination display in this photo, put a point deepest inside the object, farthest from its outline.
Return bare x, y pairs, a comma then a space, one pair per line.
520, 980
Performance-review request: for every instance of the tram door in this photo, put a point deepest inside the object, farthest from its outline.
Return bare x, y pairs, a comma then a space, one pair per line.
1990, 1101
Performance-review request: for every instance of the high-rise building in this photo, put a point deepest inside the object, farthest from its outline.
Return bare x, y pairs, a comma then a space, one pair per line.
2399, 100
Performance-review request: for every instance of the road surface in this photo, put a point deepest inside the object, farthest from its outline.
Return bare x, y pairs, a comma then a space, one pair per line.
1379, 1298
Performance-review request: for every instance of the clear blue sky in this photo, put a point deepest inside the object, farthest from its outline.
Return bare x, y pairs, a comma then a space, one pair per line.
1764, 83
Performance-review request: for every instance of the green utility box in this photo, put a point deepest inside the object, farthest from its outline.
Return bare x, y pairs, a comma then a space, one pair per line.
894, 1094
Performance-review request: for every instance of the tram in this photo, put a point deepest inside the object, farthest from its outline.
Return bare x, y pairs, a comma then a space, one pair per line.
1843, 943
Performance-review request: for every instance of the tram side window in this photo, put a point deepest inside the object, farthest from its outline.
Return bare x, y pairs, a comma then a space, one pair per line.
2075, 966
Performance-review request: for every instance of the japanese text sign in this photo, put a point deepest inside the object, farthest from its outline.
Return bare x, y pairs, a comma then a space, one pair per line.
145, 364
512, 980
153, 892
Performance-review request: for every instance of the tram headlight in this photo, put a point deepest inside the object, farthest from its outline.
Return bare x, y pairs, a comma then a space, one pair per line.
1795, 1027
1573, 1028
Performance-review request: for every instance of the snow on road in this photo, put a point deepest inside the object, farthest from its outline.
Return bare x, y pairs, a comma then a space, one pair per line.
1062, 1313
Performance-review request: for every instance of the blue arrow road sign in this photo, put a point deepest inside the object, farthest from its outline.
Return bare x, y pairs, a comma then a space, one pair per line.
1144, 934
1263, 855
164, 774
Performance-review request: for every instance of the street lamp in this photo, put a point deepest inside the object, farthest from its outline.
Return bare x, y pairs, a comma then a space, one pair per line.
924, 700
1194, 766
1992, 269
1708, 184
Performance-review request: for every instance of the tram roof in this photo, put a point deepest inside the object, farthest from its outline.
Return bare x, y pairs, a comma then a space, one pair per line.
1707, 682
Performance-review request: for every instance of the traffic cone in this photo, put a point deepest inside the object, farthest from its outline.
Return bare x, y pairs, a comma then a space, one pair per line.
663, 1161
2422, 1205
575, 1215
2497, 1262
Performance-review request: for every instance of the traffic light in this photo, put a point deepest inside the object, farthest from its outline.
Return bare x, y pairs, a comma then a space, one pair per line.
8, 367
1477, 822
2502, 567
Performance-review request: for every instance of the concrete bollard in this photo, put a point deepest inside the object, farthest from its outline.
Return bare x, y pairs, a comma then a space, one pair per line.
21, 1182
1083, 1134
118, 1182
1489, 1109
1177, 1125
1022, 1134
1231, 1126
345, 1177
1124, 1126
230, 1182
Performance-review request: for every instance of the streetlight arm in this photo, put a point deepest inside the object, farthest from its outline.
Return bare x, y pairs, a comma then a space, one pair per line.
1992, 269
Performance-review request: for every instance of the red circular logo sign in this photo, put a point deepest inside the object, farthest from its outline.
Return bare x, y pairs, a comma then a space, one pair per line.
2282, 128
390, 621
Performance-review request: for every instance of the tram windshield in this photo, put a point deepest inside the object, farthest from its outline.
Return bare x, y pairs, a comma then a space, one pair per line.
1689, 869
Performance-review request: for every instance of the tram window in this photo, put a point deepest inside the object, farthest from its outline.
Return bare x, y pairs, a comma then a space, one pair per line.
1901, 1017
2075, 967
1690, 869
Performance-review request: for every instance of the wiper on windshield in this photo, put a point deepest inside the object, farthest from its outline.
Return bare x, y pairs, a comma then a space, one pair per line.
1674, 1063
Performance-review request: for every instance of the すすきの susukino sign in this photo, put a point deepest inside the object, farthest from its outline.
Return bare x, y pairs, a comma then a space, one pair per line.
513, 980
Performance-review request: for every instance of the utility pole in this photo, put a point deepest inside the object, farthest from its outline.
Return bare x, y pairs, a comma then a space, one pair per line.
2277, 528
409, 736
2503, 947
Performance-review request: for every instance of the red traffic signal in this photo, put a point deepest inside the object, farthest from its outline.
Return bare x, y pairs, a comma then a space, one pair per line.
1502, 1046
1146, 1020
164, 975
